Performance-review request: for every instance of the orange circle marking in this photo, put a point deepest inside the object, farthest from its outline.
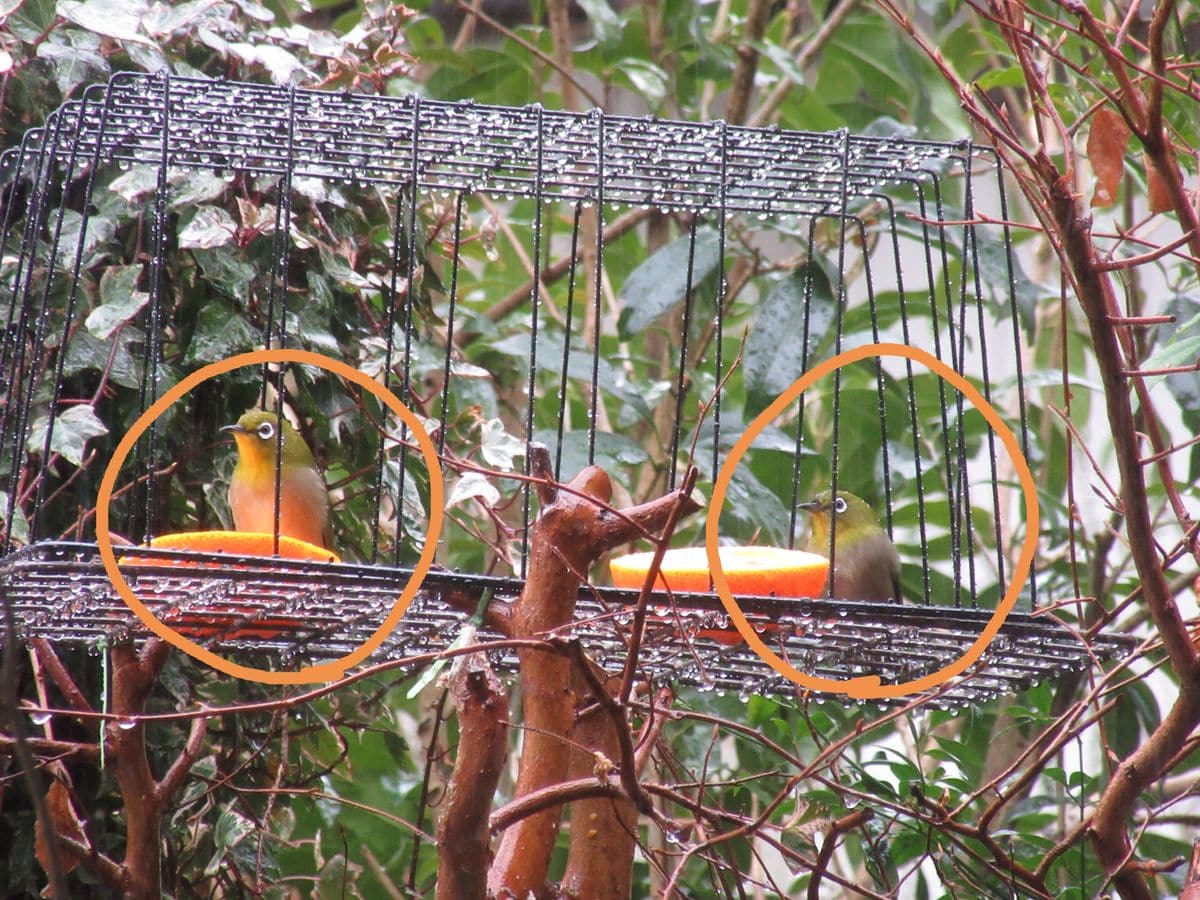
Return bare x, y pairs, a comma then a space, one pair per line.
312, 674
869, 686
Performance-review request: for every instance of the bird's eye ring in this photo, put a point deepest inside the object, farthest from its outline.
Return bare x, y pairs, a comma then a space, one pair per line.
840, 504
266, 431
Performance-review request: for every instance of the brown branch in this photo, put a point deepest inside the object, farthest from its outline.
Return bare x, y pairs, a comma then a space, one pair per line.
839, 827
603, 829
464, 844
58, 674
1191, 881
553, 797
758, 15
574, 528
171, 782
133, 677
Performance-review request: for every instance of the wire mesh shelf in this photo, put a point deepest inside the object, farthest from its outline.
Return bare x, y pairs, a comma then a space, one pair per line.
299, 612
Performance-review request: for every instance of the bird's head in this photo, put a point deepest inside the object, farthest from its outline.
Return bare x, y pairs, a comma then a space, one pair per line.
855, 519
257, 437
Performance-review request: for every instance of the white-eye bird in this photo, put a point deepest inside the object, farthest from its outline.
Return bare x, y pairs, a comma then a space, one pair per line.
866, 565
303, 497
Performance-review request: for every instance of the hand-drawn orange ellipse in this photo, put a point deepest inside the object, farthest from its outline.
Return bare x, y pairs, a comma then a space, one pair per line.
869, 686
328, 671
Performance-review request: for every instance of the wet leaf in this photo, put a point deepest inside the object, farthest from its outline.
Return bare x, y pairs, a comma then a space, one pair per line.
120, 19
499, 447
220, 332
472, 486
73, 428
211, 226
659, 284
119, 302
775, 351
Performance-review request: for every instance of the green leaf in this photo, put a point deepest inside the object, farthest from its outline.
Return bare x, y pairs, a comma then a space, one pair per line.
120, 19
73, 428
89, 352
119, 302
209, 226
20, 525
658, 285
606, 24
645, 78
99, 230
498, 447
783, 60
774, 356
220, 332
472, 486
612, 450
231, 275
76, 59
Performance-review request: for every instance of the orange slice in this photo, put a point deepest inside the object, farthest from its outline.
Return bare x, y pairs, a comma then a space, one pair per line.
220, 617
752, 571
239, 543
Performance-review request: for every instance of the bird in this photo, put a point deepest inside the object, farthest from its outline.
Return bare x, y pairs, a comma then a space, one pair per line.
303, 497
866, 565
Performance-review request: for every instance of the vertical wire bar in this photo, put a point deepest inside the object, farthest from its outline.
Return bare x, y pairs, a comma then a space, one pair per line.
153, 348
534, 309
390, 342
389, 326
597, 288
973, 239
458, 214
566, 358
879, 382
409, 327
280, 260
681, 381
914, 419
842, 215
722, 287
952, 464
22, 286
964, 485
9, 338
804, 351
1014, 316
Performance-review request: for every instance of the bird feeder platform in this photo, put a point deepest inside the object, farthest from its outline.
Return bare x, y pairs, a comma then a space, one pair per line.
299, 611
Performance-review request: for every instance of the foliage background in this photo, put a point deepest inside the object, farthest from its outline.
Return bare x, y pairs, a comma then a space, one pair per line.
352, 768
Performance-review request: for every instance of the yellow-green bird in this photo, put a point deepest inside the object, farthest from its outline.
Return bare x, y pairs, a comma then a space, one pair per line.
303, 497
866, 564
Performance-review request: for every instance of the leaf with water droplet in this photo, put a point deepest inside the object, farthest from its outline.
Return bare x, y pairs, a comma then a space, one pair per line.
73, 428
660, 283
119, 302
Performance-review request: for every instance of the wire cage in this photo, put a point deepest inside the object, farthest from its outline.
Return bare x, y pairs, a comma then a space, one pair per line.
161, 223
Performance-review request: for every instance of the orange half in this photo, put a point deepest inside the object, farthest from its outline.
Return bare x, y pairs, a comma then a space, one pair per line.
752, 571
235, 543
221, 616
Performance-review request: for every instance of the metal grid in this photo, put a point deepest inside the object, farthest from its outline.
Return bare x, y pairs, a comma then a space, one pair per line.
468, 147
296, 612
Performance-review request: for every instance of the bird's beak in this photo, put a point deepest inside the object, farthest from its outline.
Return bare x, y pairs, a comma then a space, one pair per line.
810, 505
233, 429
